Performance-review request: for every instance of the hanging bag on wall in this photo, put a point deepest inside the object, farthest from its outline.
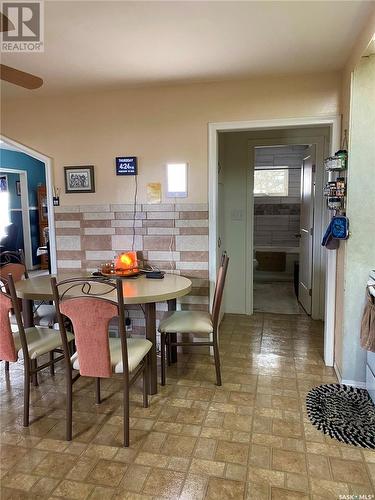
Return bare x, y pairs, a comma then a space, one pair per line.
368, 324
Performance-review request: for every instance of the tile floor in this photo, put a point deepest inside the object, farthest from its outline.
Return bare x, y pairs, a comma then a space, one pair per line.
283, 299
248, 439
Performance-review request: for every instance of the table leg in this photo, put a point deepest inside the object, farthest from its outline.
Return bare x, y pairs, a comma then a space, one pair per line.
27, 313
151, 336
172, 304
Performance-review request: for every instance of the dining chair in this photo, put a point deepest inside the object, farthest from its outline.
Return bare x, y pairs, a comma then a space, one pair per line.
29, 343
90, 304
195, 322
13, 262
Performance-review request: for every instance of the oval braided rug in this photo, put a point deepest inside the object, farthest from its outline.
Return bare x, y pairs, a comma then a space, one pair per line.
344, 413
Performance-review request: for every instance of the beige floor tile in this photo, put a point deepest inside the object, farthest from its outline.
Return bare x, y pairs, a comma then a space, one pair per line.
283, 494
349, 471
102, 493
257, 491
205, 448
135, 477
164, 483
179, 446
318, 466
289, 461
194, 487
55, 465
224, 489
19, 481
250, 438
328, 489
107, 473
208, 467
227, 451
73, 489
260, 456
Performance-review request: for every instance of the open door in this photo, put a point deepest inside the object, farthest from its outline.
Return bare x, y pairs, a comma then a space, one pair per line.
306, 231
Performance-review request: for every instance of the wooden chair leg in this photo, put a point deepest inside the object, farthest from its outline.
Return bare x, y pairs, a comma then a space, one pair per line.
26, 394
34, 376
217, 363
162, 356
7, 366
126, 414
97, 391
69, 407
52, 367
145, 382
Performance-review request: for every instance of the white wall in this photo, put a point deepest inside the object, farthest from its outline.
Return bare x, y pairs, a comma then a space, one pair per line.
360, 253
235, 164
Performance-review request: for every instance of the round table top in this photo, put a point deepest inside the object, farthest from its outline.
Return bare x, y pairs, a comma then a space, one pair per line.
140, 290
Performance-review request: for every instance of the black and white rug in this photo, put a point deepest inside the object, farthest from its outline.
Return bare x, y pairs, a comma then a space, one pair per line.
344, 413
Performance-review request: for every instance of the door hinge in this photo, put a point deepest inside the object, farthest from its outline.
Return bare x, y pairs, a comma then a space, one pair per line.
311, 231
310, 292
313, 168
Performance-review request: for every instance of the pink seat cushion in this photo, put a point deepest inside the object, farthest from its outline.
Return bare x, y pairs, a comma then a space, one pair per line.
90, 317
7, 347
16, 270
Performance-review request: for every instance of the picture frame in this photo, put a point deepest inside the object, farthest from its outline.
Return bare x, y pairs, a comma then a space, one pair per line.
79, 179
18, 188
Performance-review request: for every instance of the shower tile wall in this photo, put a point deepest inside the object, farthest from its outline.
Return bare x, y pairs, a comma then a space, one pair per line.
277, 219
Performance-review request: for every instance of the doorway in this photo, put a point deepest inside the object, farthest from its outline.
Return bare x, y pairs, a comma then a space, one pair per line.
239, 232
29, 202
278, 236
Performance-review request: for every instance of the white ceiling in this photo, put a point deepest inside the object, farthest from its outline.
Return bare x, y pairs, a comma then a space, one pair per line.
91, 44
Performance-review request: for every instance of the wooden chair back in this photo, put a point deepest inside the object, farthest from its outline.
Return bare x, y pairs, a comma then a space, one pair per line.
219, 290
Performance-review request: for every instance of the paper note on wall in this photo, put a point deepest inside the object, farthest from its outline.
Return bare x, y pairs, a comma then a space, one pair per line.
154, 192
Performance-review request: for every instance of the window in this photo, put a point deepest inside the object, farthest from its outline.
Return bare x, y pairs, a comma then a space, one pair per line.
4, 206
271, 182
176, 180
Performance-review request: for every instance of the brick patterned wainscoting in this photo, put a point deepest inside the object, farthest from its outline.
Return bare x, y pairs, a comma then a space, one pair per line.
172, 236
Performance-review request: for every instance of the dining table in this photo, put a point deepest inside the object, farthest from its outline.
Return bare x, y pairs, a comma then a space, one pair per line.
140, 290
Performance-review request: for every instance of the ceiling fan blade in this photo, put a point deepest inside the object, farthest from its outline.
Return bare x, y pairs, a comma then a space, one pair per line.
5, 24
17, 77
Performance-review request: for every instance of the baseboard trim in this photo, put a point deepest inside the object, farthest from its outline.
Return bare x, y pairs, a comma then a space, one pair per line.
354, 383
337, 371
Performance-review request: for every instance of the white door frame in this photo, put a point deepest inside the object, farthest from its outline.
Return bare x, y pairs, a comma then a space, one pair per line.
49, 183
334, 123
25, 213
317, 309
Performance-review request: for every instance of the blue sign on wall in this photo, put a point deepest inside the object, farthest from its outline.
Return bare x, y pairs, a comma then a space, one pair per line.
126, 165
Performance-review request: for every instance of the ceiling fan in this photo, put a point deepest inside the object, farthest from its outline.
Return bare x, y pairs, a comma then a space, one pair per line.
12, 75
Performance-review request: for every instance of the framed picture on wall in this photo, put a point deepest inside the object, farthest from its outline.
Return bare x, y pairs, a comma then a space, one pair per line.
79, 179
3, 183
18, 188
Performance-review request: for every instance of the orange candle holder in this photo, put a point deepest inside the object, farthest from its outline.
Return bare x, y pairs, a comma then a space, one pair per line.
126, 264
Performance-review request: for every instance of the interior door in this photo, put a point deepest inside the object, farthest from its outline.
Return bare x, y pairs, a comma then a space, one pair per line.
306, 231
220, 230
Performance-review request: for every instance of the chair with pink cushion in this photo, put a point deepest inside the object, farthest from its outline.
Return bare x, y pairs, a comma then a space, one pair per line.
90, 304
13, 262
29, 343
